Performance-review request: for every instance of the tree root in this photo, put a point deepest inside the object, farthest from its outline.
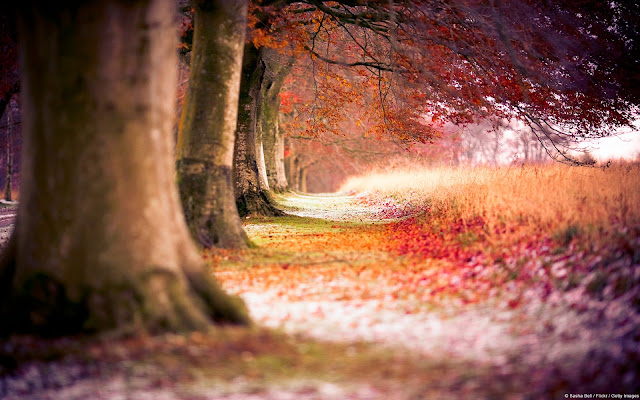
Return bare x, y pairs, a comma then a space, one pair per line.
158, 301
257, 203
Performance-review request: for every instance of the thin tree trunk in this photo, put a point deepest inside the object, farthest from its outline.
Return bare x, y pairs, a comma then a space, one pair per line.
100, 241
262, 168
5, 99
302, 180
290, 165
276, 71
7, 185
252, 195
207, 129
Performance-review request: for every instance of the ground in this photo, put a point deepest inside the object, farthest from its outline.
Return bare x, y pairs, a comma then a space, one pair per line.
7, 216
347, 306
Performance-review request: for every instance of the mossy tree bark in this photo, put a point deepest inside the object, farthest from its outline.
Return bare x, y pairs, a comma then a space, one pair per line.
207, 128
100, 242
277, 67
252, 192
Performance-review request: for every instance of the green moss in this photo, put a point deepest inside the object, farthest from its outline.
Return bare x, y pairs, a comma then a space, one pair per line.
566, 235
468, 238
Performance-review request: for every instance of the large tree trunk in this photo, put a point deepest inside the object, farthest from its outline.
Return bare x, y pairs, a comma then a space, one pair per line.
207, 128
276, 71
100, 241
252, 192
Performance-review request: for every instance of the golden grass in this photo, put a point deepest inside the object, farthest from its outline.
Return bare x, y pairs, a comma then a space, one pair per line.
548, 197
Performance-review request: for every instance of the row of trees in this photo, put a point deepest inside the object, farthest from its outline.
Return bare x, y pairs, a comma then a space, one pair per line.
9, 106
104, 236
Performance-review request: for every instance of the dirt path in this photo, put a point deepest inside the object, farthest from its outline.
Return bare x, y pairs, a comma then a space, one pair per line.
332, 304
341, 315
7, 217
328, 275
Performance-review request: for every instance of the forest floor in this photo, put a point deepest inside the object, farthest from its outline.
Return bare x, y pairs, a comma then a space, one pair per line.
363, 297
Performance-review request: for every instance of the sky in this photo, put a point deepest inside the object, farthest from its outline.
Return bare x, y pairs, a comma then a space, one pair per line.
624, 146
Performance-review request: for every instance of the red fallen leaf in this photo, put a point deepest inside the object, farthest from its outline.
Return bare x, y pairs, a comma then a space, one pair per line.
513, 303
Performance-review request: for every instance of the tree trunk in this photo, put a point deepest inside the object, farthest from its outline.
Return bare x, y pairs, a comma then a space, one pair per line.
7, 185
262, 168
291, 166
5, 99
302, 180
252, 195
207, 128
269, 112
100, 241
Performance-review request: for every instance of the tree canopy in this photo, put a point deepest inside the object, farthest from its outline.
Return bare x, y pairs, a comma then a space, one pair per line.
568, 69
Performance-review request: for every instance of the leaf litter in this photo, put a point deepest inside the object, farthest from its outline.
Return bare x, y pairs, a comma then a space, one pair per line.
378, 299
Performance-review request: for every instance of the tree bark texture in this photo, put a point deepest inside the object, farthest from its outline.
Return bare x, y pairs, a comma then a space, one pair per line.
291, 165
291, 169
5, 99
277, 67
252, 193
302, 180
9, 176
100, 242
206, 134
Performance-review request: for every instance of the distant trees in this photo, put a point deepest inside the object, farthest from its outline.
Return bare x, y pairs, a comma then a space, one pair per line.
415, 66
259, 159
250, 174
565, 69
9, 87
9, 72
277, 68
100, 241
9, 153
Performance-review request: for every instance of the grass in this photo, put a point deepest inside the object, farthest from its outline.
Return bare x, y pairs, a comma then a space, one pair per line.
567, 202
262, 229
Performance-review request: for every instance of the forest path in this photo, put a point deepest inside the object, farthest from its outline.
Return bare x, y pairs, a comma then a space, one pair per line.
344, 268
330, 206
323, 271
7, 218
336, 268
346, 308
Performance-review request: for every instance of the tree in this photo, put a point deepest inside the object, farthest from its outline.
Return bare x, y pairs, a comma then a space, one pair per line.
100, 241
566, 69
277, 67
9, 72
251, 188
251, 183
554, 66
206, 134
9, 91
9, 145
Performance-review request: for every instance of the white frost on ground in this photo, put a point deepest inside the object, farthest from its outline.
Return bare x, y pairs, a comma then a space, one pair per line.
5, 234
334, 207
477, 334
567, 326
123, 387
